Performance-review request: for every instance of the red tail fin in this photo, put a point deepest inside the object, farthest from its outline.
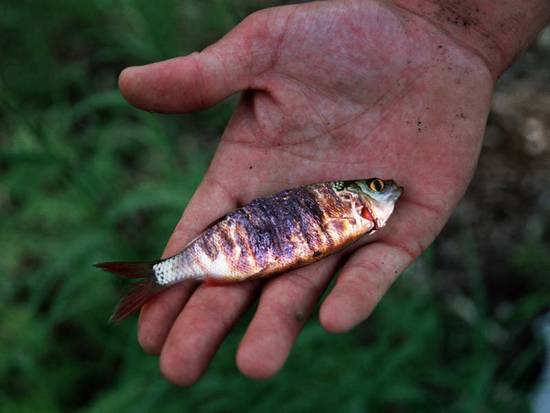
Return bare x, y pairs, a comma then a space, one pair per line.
140, 294
134, 300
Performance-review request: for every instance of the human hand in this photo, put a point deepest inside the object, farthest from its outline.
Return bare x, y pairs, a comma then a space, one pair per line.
332, 90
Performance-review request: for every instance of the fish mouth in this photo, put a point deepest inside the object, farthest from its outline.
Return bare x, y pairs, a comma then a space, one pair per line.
400, 191
396, 194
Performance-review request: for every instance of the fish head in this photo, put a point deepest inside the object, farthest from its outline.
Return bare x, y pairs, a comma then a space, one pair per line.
378, 198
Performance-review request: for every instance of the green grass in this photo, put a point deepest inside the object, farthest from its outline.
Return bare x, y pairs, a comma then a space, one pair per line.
84, 178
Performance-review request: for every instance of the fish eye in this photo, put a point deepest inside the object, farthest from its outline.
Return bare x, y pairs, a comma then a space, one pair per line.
376, 185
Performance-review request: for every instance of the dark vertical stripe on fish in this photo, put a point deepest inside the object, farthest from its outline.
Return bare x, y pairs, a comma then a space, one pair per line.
207, 244
271, 223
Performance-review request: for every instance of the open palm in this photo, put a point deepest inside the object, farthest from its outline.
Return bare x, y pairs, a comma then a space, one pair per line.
332, 90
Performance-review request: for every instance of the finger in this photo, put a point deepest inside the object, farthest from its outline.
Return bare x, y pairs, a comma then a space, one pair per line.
158, 315
200, 328
372, 269
285, 305
202, 79
361, 284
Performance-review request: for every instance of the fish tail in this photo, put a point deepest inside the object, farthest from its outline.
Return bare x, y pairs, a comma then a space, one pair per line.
143, 291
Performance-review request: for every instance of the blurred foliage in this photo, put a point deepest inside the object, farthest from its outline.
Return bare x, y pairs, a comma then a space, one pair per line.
84, 177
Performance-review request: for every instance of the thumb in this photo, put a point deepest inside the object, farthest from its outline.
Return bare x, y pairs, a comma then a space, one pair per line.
202, 79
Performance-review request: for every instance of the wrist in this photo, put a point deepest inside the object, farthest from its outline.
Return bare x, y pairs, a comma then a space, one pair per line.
498, 32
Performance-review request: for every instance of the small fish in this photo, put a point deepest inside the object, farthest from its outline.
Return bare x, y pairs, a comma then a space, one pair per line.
268, 236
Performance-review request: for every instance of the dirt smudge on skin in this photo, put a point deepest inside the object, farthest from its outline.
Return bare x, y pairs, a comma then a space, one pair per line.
299, 316
458, 13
